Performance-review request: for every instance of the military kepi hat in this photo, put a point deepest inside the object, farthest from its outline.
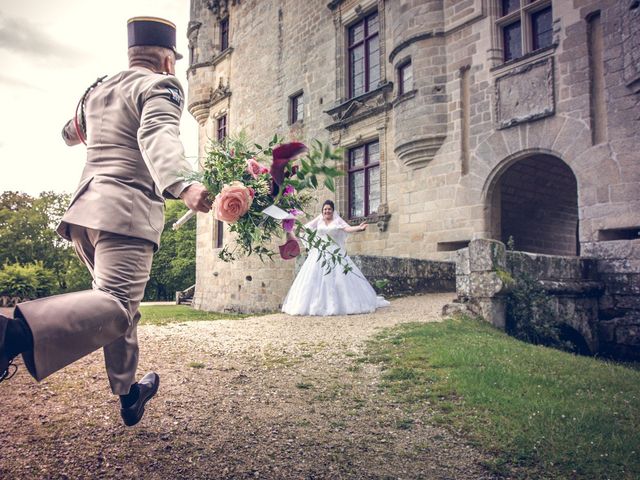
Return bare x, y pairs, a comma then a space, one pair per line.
152, 31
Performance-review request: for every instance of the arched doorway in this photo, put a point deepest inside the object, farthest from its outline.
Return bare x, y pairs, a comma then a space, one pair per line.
534, 201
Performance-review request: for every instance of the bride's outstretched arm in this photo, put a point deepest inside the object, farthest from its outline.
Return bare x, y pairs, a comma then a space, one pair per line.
360, 228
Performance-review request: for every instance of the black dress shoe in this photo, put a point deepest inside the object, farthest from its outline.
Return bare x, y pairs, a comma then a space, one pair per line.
7, 368
148, 387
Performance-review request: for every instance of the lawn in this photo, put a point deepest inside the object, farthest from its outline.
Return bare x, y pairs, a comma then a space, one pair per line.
165, 314
538, 410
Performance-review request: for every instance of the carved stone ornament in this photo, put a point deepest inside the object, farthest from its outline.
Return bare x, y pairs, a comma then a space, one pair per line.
383, 217
361, 107
220, 8
200, 108
417, 153
525, 93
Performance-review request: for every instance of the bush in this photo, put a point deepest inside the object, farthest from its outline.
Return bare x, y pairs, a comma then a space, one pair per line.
28, 281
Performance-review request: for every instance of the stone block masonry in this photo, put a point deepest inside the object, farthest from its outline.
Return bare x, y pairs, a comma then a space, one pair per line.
597, 298
542, 148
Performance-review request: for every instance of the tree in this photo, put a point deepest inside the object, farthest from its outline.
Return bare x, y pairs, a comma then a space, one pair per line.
174, 265
27, 236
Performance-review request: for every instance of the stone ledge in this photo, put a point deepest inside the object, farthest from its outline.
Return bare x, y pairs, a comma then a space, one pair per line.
408, 276
417, 153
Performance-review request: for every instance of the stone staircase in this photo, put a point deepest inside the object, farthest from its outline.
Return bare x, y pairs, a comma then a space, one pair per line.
185, 297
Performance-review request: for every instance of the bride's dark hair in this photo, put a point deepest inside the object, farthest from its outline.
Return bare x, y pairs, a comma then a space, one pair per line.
330, 203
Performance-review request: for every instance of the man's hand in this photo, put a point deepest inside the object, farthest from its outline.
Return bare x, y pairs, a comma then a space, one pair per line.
196, 197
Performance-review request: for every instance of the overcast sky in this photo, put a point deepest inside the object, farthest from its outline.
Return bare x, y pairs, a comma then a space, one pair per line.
50, 52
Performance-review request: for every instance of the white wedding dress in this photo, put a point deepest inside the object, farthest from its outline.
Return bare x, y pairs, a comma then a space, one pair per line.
315, 292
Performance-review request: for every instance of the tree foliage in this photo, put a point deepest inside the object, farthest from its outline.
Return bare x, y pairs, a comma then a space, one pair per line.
26, 281
28, 239
35, 261
174, 265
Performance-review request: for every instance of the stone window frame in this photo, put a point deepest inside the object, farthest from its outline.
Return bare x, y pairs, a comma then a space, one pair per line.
343, 19
402, 78
362, 144
349, 139
221, 123
221, 127
522, 14
366, 41
296, 100
218, 234
223, 32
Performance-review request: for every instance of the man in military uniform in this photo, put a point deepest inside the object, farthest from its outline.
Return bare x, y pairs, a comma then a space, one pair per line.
130, 124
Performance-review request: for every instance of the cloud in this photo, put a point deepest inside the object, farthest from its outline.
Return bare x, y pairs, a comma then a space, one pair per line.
18, 82
24, 37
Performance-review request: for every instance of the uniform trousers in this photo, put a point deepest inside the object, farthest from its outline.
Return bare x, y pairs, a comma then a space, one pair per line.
69, 326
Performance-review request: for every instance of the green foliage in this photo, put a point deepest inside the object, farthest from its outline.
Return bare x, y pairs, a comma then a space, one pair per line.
530, 314
174, 265
76, 276
505, 277
27, 236
380, 285
26, 281
541, 413
226, 162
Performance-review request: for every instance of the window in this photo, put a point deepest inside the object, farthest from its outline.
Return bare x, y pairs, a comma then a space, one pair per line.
221, 129
525, 26
224, 34
219, 233
405, 78
541, 28
364, 180
364, 55
221, 134
296, 108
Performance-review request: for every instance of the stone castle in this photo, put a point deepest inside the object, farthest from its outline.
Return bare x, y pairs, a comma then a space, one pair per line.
512, 120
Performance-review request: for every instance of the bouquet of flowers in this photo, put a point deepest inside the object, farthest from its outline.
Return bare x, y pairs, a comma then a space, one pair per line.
261, 202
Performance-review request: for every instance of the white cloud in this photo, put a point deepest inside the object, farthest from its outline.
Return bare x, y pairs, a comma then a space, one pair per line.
21, 36
48, 62
17, 82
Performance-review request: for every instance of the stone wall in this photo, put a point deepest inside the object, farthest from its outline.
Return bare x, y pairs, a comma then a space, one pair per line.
599, 298
618, 265
473, 126
408, 276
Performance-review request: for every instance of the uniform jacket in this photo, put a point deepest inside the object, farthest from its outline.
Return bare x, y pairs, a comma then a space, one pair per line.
134, 155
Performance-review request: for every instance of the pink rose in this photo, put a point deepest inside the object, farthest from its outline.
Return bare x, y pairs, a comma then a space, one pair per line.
282, 155
255, 168
289, 223
290, 249
232, 202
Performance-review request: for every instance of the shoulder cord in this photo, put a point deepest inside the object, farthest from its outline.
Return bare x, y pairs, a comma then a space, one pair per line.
80, 124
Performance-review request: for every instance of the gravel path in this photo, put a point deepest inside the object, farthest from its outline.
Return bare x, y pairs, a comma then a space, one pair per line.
266, 397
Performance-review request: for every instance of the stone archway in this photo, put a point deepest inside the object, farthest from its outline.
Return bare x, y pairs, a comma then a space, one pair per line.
534, 200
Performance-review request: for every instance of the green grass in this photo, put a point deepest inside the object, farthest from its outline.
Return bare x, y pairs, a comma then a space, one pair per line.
165, 314
541, 410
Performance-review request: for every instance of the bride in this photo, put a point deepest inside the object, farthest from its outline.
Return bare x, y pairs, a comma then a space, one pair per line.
315, 292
